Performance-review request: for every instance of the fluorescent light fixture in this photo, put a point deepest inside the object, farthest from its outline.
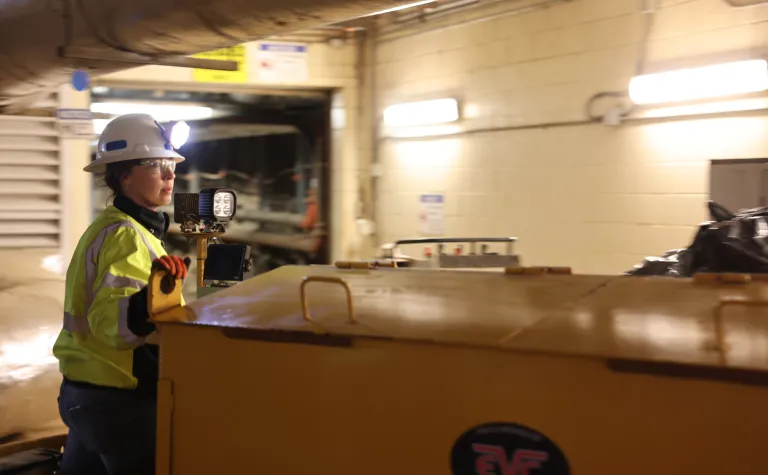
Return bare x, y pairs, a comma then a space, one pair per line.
161, 112
438, 111
401, 7
720, 80
338, 118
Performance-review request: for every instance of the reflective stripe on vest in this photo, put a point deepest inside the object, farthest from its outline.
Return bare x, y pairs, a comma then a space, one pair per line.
76, 323
79, 323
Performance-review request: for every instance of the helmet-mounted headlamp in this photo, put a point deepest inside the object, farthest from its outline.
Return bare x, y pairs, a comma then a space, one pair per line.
176, 135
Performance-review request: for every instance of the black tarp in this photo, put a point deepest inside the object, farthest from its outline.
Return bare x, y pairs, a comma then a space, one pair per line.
730, 242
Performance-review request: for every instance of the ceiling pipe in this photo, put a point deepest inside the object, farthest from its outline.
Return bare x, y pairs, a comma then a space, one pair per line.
432, 10
483, 12
745, 3
35, 33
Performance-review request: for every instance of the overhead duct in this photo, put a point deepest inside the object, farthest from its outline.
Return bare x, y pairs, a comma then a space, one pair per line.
745, 3
39, 39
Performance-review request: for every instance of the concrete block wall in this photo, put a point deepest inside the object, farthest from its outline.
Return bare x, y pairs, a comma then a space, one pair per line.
331, 68
593, 197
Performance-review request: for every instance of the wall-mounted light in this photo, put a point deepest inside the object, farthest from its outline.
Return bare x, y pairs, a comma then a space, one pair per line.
413, 114
706, 82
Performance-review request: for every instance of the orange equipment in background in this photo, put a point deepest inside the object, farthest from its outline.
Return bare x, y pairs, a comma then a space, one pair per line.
310, 215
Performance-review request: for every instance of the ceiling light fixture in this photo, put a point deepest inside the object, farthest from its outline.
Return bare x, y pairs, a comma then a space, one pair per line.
706, 82
160, 112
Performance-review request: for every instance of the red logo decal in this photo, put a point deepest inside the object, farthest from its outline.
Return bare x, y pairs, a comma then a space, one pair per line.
521, 463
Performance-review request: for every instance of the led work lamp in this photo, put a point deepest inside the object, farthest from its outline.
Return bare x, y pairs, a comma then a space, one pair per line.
202, 217
217, 204
213, 207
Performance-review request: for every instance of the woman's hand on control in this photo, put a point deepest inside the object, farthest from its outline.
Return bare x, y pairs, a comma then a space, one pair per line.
173, 265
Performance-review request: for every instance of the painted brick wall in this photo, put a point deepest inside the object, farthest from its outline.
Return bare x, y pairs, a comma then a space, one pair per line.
594, 197
329, 68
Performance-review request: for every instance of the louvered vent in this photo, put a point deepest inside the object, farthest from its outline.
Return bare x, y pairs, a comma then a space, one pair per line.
30, 189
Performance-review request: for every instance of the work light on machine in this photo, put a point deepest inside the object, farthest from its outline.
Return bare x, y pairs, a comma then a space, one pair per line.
202, 217
217, 204
211, 208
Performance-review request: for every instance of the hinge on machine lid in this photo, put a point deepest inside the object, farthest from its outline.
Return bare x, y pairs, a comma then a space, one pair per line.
728, 278
537, 270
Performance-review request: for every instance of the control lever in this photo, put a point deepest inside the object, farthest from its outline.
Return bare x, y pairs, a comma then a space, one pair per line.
168, 284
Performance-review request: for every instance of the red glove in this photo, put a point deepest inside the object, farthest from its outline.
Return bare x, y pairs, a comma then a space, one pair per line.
173, 265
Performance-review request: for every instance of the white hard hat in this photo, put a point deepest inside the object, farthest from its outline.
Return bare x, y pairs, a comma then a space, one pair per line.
132, 137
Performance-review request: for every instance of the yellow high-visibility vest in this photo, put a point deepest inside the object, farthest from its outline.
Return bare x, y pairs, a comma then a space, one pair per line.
113, 261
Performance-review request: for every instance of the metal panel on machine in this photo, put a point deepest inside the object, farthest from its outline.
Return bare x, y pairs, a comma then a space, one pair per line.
415, 371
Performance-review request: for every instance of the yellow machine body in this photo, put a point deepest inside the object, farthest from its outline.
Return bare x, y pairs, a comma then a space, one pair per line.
383, 371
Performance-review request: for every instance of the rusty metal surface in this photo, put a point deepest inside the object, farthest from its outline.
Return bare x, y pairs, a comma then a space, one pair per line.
32, 31
656, 319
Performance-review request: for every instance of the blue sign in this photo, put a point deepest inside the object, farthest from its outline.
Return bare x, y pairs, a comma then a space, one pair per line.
80, 80
431, 198
282, 48
74, 114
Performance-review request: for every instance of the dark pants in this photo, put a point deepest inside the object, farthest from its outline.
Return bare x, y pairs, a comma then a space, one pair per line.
111, 431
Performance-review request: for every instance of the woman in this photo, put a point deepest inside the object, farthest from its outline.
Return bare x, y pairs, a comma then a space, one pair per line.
108, 396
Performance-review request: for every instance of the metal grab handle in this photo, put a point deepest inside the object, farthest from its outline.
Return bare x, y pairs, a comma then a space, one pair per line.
330, 280
720, 345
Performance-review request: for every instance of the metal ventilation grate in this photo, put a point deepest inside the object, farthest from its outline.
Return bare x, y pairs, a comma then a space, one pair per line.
30, 189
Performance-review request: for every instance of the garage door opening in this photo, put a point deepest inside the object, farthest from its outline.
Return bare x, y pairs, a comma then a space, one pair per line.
739, 184
271, 148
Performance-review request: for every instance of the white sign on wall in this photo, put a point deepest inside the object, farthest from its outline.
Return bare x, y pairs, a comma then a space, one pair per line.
432, 214
282, 62
75, 123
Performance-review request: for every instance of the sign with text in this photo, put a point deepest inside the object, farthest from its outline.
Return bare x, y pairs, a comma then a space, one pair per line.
235, 53
75, 123
282, 62
432, 214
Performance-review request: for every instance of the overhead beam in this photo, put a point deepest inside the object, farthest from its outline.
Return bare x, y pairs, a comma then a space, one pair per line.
115, 56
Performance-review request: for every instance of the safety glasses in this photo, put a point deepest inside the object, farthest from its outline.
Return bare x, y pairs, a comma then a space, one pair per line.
159, 165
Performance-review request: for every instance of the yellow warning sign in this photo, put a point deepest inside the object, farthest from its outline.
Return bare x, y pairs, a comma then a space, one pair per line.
235, 53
